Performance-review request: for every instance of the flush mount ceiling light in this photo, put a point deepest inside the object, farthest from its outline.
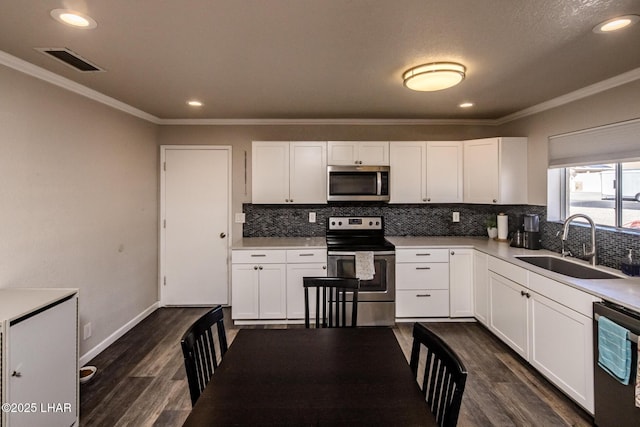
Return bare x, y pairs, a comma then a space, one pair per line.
194, 103
616, 24
466, 105
434, 76
74, 19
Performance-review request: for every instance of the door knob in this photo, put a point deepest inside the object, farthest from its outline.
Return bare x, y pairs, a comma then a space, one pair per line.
222, 235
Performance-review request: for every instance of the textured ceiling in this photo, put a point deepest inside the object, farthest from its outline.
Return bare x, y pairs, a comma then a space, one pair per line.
328, 59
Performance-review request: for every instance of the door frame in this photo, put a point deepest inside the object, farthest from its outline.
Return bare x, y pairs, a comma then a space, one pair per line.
162, 211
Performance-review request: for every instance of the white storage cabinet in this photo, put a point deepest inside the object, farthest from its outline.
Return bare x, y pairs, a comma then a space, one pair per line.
426, 171
461, 282
39, 357
303, 263
358, 153
258, 284
289, 172
495, 171
422, 283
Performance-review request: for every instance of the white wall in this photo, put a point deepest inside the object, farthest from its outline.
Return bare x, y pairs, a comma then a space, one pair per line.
78, 201
612, 106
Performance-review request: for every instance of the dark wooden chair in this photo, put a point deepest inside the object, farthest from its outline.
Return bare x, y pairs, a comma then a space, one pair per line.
201, 354
444, 375
331, 304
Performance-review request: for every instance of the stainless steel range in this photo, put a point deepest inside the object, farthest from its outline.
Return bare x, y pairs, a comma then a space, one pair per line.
345, 237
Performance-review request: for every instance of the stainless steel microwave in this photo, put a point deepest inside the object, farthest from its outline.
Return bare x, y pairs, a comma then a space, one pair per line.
358, 183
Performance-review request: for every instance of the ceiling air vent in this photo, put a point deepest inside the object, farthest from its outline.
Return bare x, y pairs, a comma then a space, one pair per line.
70, 58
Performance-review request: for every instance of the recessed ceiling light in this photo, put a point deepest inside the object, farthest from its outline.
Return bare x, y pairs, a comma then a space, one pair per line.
194, 103
434, 76
466, 105
616, 24
74, 19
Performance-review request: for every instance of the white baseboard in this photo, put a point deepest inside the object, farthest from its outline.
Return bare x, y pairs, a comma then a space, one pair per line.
85, 358
436, 319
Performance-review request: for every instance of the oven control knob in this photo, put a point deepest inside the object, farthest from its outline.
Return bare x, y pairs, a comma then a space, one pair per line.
339, 222
333, 223
370, 222
377, 222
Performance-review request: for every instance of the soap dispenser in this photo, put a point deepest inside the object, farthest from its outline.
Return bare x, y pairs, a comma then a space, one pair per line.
630, 265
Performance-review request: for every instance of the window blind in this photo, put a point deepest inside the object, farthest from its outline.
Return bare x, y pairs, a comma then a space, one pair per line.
612, 143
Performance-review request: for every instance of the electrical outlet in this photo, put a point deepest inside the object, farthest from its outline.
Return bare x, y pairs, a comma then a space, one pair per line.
87, 331
312, 217
456, 217
240, 218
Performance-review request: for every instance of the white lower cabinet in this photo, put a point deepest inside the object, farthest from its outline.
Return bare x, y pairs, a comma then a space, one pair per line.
259, 285
422, 283
481, 287
548, 323
39, 349
508, 313
303, 263
461, 282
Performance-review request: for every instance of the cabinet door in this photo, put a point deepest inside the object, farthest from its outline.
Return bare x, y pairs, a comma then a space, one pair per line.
308, 172
433, 275
508, 313
481, 171
561, 348
444, 171
408, 171
461, 283
43, 349
374, 153
295, 291
480, 287
270, 172
422, 303
244, 291
342, 153
272, 291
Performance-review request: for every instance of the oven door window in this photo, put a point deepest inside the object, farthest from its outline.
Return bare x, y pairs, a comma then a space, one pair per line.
353, 183
347, 268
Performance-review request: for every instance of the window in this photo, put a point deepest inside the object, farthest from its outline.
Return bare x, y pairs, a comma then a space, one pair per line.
593, 190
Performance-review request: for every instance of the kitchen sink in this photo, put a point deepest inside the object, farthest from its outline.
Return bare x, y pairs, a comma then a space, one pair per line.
568, 268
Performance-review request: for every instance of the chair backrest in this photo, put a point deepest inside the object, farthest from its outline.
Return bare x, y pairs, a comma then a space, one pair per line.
331, 303
200, 350
444, 375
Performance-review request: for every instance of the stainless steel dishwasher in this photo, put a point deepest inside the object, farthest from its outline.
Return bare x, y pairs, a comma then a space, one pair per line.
614, 402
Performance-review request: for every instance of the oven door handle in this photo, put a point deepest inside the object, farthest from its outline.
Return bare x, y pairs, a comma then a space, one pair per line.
375, 253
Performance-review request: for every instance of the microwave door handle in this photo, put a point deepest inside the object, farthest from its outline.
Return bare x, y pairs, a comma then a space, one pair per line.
379, 183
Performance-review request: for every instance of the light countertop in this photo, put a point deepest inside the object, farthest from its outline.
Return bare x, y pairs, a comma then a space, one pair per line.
624, 291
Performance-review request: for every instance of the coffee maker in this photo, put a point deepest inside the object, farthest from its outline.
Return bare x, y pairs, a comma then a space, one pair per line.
532, 239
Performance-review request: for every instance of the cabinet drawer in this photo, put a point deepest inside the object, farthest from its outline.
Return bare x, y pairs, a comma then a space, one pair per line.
422, 255
422, 276
306, 255
508, 270
422, 303
258, 256
563, 294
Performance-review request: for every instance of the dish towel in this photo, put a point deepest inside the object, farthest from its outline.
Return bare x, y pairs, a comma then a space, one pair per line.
614, 350
364, 266
638, 377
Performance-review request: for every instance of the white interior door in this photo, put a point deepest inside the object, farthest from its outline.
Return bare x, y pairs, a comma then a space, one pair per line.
195, 229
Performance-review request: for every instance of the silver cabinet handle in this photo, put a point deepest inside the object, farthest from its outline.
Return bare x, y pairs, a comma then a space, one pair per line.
423, 268
255, 267
422, 295
324, 267
258, 255
423, 254
453, 253
16, 374
305, 254
495, 201
222, 235
260, 268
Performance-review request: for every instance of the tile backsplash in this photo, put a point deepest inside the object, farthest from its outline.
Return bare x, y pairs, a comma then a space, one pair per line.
434, 220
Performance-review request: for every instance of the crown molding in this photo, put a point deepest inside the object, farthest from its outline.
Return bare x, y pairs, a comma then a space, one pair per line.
576, 95
320, 122
65, 83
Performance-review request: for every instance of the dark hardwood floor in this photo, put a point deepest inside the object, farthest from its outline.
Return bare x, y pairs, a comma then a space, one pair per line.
141, 380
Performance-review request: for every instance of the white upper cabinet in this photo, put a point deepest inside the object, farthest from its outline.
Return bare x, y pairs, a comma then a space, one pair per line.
426, 171
289, 172
372, 153
495, 171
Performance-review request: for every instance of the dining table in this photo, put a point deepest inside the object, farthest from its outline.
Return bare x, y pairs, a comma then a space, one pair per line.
310, 377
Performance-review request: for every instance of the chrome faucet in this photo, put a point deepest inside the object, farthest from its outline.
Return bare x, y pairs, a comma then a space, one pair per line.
565, 231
